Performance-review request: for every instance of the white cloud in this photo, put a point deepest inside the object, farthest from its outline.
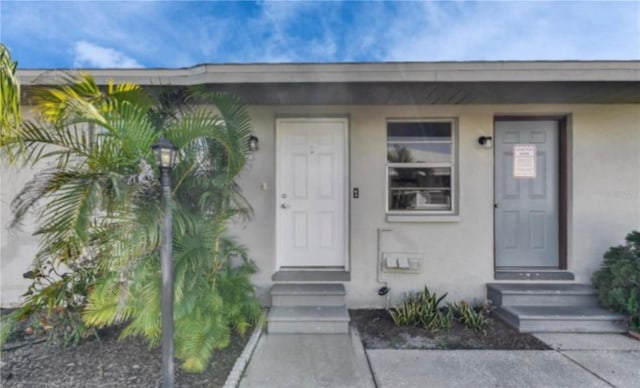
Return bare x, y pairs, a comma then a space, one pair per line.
177, 34
89, 55
514, 31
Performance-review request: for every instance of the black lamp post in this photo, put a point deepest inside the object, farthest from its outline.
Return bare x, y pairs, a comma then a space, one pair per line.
166, 157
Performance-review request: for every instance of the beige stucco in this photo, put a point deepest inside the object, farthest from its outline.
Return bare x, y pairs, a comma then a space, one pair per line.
18, 245
604, 199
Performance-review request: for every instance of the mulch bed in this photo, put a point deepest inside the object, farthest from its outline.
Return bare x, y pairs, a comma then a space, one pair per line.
378, 331
104, 362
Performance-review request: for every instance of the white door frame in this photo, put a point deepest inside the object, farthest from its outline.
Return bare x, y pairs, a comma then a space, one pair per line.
346, 185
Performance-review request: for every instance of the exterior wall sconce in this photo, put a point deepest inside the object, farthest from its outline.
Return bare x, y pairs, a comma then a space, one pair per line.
485, 141
253, 143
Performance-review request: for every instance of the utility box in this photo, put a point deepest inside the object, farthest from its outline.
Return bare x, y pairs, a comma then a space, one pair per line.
402, 262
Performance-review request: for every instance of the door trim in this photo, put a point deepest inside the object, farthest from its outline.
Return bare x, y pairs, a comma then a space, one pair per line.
346, 182
563, 183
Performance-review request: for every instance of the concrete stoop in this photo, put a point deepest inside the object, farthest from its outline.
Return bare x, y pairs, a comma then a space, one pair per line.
552, 307
308, 308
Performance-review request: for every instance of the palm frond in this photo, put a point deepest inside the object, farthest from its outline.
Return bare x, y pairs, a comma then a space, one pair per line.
9, 103
101, 194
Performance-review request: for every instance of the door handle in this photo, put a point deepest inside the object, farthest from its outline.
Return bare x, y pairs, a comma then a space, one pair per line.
284, 206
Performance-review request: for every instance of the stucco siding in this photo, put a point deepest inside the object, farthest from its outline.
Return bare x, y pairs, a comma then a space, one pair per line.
17, 245
606, 182
604, 199
458, 255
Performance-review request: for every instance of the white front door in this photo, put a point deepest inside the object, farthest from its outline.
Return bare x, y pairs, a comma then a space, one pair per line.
311, 213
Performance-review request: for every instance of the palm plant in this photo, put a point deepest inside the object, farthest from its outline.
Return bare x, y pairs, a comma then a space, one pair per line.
100, 208
9, 96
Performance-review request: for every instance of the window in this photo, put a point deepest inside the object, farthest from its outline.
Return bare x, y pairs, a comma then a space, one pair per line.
420, 167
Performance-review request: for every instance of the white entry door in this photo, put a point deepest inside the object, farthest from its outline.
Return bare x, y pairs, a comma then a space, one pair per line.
311, 213
526, 194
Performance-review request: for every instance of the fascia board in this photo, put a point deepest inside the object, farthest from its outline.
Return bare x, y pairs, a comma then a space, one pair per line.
623, 71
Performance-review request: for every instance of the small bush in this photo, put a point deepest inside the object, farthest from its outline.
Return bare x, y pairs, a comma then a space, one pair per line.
8, 324
472, 317
445, 319
618, 280
423, 309
54, 301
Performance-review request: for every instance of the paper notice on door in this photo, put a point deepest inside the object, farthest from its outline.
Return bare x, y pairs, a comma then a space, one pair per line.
524, 161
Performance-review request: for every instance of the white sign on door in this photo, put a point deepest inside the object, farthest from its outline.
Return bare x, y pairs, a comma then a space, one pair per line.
524, 161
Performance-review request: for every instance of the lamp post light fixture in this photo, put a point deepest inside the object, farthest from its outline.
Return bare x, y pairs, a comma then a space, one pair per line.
165, 153
166, 157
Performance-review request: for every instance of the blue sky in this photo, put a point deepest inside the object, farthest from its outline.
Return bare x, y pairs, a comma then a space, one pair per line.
111, 34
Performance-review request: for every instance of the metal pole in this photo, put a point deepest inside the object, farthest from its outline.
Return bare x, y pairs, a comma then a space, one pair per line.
167, 284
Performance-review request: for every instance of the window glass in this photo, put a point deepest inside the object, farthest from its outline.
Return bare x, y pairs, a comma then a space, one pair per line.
420, 177
420, 166
420, 131
420, 199
418, 152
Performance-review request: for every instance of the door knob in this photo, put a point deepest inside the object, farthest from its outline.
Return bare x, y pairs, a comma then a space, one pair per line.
284, 206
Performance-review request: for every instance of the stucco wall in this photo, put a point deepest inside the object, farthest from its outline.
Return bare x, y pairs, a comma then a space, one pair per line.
604, 201
17, 245
606, 182
458, 256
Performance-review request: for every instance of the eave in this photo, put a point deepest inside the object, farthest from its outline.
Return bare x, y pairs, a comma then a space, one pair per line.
598, 82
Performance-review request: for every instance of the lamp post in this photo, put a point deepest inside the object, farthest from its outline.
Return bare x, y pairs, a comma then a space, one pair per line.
166, 156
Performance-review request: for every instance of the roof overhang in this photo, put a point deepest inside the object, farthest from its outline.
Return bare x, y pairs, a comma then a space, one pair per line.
391, 83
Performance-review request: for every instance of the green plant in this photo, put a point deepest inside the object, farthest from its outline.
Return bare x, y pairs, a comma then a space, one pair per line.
472, 317
8, 324
618, 279
9, 97
444, 319
421, 308
99, 212
407, 313
54, 301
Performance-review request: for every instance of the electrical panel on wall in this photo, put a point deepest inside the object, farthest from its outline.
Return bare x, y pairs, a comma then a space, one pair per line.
402, 262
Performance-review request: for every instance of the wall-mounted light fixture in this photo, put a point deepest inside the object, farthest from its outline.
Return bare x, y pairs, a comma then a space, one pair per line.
485, 141
253, 143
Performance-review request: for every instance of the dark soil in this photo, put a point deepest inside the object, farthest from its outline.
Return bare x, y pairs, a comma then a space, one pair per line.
378, 331
103, 362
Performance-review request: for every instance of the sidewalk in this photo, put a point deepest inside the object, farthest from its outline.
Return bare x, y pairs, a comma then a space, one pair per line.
579, 360
339, 360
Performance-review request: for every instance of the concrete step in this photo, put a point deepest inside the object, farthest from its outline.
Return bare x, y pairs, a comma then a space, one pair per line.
291, 294
308, 319
566, 319
542, 294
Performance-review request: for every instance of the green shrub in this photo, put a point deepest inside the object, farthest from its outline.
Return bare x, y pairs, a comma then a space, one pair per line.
618, 280
444, 320
99, 210
472, 317
8, 324
54, 301
421, 308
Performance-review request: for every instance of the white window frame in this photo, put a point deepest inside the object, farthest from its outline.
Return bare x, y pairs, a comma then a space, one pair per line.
453, 165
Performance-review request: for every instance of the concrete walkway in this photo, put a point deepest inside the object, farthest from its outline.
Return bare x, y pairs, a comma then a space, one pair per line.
332, 360
308, 361
579, 360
